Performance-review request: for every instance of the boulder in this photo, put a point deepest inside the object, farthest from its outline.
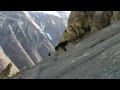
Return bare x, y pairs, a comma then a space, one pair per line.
7, 67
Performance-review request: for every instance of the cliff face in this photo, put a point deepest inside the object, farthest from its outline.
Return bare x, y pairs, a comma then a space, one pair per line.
82, 22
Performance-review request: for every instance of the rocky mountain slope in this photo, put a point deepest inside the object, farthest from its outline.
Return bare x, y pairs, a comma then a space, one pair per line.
52, 25
95, 55
22, 39
4, 61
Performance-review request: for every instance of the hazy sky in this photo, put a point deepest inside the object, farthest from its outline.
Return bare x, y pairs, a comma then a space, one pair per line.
54, 12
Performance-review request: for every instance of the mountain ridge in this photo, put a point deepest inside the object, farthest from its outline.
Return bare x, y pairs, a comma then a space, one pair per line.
20, 36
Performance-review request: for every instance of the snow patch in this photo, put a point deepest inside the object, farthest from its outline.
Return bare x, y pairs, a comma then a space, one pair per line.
86, 54
1, 24
42, 26
49, 36
53, 22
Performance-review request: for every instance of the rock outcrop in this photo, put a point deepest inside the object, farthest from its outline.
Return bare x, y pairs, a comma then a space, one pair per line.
7, 67
82, 22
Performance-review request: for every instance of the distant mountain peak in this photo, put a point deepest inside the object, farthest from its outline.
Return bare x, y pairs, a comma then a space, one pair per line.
52, 13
